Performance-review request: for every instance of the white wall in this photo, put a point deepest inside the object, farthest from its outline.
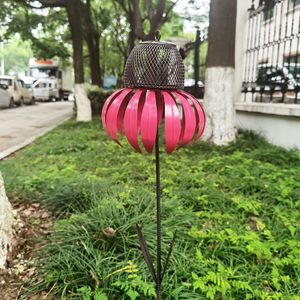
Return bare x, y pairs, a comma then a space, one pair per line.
279, 130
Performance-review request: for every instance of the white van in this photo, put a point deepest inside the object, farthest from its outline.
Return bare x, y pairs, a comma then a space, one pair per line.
45, 90
16, 87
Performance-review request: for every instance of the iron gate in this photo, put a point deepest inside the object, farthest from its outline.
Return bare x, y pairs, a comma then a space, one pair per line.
272, 63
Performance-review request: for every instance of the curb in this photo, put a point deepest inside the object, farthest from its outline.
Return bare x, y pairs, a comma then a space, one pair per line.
27, 142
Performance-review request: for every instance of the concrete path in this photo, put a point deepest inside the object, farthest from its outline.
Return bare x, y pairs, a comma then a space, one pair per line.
20, 126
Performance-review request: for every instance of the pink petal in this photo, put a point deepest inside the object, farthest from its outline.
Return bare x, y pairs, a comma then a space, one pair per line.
106, 105
160, 106
200, 115
132, 118
188, 120
149, 121
115, 113
172, 122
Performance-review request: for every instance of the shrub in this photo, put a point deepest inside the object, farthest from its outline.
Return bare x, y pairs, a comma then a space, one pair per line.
97, 95
236, 209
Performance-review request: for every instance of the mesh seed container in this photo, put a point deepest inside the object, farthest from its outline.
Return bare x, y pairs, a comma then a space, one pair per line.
155, 65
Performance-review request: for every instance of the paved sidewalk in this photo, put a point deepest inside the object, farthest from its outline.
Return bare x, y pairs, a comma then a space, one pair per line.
22, 125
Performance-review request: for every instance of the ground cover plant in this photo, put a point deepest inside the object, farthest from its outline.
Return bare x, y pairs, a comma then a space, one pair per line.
235, 209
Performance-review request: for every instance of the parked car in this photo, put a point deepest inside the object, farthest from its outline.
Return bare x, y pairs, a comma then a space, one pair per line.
28, 80
46, 90
20, 94
6, 99
26, 92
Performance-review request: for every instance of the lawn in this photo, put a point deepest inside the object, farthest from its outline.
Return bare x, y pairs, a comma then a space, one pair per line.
236, 210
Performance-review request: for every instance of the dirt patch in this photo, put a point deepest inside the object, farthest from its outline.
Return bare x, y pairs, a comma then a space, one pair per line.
34, 223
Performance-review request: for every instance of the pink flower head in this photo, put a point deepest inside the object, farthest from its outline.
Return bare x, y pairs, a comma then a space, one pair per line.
139, 112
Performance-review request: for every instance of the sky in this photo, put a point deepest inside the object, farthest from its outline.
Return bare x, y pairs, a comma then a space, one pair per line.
184, 8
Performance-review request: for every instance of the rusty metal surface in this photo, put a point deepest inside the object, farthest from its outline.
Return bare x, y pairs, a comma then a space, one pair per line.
154, 65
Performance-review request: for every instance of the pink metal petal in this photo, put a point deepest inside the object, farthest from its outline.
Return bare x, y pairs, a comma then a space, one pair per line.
106, 105
200, 115
115, 113
132, 118
172, 122
149, 121
188, 120
160, 106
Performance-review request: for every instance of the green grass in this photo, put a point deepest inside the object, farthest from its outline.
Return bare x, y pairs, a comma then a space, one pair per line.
235, 209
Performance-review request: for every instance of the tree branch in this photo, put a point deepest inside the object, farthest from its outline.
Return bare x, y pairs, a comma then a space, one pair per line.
166, 16
139, 30
53, 3
149, 8
122, 4
44, 3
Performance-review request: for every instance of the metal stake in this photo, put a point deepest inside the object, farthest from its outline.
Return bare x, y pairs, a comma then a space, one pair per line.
159, 274
158, 220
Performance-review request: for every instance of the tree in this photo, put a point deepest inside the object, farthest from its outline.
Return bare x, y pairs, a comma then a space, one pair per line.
7, 222
96, 18
145, 17
75, 19
92, 37
73, 8
45, 32
220, 63
16, 55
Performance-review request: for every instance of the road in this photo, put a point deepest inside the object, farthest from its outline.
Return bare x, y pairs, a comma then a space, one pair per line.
21, 125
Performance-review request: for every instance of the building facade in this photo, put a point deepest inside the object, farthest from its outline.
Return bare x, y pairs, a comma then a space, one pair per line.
267, 96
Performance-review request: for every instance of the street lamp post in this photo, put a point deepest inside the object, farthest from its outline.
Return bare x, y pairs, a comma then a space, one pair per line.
197, 60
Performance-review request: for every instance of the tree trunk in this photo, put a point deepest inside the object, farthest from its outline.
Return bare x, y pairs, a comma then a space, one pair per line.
94, 59
156, 14
131, 40
7, 220
92, 37
84, 111
220, 64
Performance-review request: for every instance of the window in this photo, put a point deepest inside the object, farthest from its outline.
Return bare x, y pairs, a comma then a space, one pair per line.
269, 9
21, 82
4, 81
296, 2
42, 85
43, 72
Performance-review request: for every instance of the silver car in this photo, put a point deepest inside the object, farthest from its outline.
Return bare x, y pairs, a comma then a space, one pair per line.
6, 99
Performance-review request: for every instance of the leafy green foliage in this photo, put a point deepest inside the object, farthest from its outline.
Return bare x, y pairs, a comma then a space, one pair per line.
16, 55
236, 210
44, 30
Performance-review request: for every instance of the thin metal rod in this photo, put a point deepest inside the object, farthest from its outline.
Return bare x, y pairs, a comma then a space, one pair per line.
158, 221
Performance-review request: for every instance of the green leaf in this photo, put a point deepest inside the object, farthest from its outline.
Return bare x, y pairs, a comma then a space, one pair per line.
132, 294
100, 295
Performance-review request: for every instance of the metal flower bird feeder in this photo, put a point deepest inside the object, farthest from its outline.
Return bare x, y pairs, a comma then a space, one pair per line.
154, 78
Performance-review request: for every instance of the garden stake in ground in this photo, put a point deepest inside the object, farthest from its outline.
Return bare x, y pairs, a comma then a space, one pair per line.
154, 78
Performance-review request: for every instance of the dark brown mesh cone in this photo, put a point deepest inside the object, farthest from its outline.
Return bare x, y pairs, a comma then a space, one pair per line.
154, 65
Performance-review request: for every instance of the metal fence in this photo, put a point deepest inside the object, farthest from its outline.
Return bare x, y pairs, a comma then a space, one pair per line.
272, 62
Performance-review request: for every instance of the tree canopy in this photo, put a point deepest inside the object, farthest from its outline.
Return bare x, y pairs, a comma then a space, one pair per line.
99, 34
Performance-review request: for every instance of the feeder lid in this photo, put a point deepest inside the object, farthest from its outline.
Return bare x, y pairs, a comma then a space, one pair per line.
154, 65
